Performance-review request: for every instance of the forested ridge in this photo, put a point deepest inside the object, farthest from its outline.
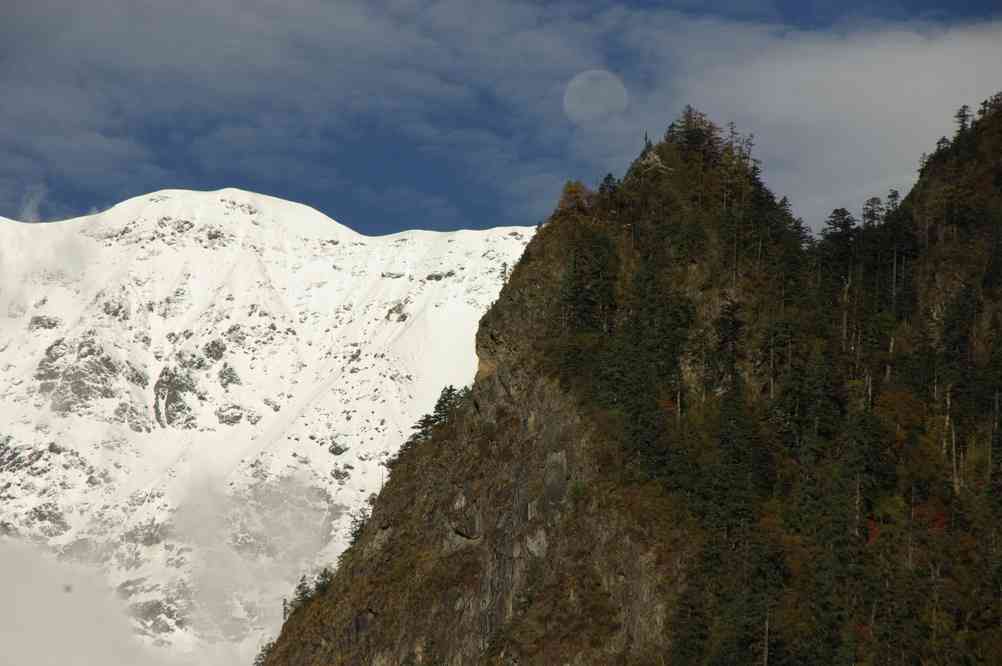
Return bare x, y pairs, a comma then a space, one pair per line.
800, 433
827, 408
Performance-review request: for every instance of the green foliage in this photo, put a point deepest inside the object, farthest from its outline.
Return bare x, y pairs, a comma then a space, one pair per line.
446, 404
302, 592
311, 587
449, 402
828, 410
359, 519
820, 419
589, 282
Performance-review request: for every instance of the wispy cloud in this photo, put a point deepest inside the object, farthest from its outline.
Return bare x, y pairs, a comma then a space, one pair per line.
303, 97
31, 203
841, 115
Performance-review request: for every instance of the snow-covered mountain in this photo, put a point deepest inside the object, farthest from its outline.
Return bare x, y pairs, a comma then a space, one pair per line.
198, 388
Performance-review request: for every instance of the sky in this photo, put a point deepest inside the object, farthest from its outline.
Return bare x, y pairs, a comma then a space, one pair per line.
444, 114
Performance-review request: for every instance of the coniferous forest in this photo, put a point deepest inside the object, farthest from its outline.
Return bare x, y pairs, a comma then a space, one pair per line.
826, 409
800, 431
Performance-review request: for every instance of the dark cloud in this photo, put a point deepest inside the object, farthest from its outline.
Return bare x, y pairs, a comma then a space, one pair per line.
460, 101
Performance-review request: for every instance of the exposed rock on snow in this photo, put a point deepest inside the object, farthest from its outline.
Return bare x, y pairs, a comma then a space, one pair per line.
197, 388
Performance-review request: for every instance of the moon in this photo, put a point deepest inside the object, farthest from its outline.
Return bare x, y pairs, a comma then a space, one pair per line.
594, 95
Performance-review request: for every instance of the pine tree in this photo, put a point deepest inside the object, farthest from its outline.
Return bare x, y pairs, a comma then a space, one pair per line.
893, 200
873, 212
447, 401
302, 592
963, 119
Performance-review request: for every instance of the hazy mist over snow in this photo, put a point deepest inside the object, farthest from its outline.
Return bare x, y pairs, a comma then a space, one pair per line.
454, 112
55, 614
64, 614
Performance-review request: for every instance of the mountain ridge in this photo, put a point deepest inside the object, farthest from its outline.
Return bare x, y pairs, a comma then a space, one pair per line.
129, 206
188, 370
700, 435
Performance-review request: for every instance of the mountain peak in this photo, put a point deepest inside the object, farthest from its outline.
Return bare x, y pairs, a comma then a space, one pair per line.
196, 370
230, 208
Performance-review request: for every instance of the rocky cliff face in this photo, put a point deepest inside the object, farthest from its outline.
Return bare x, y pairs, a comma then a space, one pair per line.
699, 436
508, 538
198, 389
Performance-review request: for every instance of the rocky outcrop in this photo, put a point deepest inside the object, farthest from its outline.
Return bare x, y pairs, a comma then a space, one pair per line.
74, 373
508, 538
698, 436
172, 396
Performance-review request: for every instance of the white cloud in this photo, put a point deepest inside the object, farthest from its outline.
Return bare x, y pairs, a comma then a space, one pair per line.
260, 86
843, 116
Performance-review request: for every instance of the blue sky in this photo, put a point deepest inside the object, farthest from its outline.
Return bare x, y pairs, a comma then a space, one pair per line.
393, 114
